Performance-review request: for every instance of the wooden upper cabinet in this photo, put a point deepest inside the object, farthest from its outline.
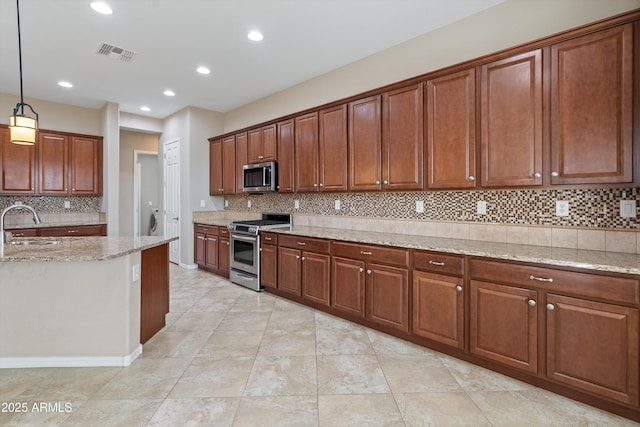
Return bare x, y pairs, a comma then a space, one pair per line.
332, 158
261, 144
53, 153
591, 108
215, 168
85, 166
286, 139
403, 139
241, 160
306, 152
511, 121
17, 166
365, 144
229, 165
451, 131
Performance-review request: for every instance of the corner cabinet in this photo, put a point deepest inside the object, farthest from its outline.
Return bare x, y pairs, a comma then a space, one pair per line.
592, 108
17, 166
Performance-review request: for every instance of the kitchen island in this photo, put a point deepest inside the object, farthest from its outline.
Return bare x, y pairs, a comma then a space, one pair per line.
89, 301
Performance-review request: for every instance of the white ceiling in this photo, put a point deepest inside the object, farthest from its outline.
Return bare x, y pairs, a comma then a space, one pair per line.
302, 39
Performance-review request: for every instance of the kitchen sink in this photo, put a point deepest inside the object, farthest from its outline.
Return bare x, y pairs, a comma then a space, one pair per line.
33, 242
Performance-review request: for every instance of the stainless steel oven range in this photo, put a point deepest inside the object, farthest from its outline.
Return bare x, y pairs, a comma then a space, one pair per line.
244, 247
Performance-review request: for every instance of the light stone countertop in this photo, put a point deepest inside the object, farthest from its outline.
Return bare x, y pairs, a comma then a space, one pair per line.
592, 260
55, 224
79, 248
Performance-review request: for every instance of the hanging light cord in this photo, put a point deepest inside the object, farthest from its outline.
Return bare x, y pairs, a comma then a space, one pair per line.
20, 57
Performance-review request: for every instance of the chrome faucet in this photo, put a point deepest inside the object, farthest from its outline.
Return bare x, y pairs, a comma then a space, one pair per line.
36, 219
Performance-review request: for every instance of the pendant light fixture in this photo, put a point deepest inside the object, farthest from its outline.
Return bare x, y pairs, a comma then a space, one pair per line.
22, 126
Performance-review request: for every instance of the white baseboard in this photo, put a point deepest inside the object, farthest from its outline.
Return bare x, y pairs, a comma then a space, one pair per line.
69, 362
188, 266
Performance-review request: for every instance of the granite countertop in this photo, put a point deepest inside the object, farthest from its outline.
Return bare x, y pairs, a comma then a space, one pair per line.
79, 248
593, 260
55, 224
217, 222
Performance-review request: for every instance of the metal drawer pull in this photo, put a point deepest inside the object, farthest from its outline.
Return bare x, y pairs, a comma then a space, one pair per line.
438, 263
72, 231
532, 303
303, 258
551, 307
302, 243
541, 279
459, 288
201, 238
369, 271
366, 253
268, 238
361, 269
297, 256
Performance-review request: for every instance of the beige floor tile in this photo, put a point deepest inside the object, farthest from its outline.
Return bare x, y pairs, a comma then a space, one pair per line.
277, 411
232, 343
409, 374
387, 344
350, 374
292, 320
336, 336
218, 412
256, 301
34, 417
299, 342
15, 381
368, 410
125, 413
440, 409
69, 384
245, 321
175, 344
475, 378
209, 303
207, 377
190, 322
283, 376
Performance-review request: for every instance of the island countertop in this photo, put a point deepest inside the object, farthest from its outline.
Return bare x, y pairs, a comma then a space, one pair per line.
79, 248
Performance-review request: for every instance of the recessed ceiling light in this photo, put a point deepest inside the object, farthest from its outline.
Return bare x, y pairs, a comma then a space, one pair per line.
203, 70
145, 108
169, 93
101, 7
65, 84
255, 36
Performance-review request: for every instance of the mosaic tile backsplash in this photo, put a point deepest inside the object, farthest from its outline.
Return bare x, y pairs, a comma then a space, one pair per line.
594, 208
54, 205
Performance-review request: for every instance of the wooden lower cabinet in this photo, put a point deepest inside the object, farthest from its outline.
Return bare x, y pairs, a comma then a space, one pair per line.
438, 308
387, 294
304, 274
289, 270
154, 290
593, 346
504, 325
269, 266
348, 285
211, 248
211, 252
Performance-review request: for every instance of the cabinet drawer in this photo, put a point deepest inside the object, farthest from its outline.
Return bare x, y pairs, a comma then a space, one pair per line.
611, 288
206, 229
23, 232
269, 238
224, 231
372, 253
438, 262
85, 230
305, 243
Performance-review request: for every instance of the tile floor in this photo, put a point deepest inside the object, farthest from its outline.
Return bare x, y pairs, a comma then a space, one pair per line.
233, 357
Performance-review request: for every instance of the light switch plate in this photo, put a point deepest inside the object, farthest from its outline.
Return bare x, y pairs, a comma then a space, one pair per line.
203, 203
481, 207
562, 208
67, 204
296, 204
419, 206
336, 205
628, 208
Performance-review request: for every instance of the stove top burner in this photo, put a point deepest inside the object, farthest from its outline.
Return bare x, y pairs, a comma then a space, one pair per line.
261, 222
269, 220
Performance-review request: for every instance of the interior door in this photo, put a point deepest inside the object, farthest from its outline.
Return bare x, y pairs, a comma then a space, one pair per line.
172, 197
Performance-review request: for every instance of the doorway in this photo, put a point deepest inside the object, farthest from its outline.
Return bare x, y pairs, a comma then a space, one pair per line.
172, 197
146, 190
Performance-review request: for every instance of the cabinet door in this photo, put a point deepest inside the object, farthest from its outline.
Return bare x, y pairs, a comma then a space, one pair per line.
53, 153
403, 139
269, 143
17, 166
254, 146
261, 144
315, 277
451, 131
215, 168
289, 273
438, 308
365, 144
200, 249
511, 121
594, 347
228, 165
85, 165
306, 152
268, 266
285, 156
591, 108
223, 254
387, 294
211, 251
241, 160
347, 285
504, 325
332, 146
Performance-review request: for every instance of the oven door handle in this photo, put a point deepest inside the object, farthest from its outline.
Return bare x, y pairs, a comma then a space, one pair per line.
244, 238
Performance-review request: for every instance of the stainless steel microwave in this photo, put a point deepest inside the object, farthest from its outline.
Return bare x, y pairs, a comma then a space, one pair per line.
260, 177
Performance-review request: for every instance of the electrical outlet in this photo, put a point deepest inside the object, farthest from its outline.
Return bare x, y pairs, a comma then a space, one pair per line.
481, 207
67, 204
628, 208
248, 203
296, 204
419, 206
562, 208
226, 203
336, 205
203, 203
135, 273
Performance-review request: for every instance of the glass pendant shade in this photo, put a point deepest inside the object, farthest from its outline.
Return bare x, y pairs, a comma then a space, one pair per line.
22, 130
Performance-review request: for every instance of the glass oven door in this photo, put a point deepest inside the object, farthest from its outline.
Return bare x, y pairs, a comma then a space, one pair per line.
244, 253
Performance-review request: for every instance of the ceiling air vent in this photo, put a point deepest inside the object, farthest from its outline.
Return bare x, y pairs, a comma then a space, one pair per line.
115, 52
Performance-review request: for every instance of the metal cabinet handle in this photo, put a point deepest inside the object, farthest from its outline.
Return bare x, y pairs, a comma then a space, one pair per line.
369, 271
268, 238
72, 231
361, 269
554, 173
201, 238
260, 157
385, 182
227, 243
551, 307
537, 175
297, 256
321, 185
303, 258
302, 243
377, 182
471, 178
315, 185
459, 288
532, 303
541, 279
366, 253
438, 263
213, 239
